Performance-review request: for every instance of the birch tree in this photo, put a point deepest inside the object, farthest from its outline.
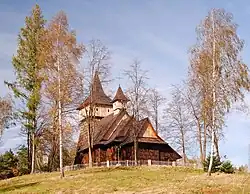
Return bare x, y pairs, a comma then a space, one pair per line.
219, 46
156, 101
138, 90
62, 77
97, 58
138, 95
193, 100
179, 122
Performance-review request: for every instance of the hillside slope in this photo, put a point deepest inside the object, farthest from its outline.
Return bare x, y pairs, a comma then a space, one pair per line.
129, 180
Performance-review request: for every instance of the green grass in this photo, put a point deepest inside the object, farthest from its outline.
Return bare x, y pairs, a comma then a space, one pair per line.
129, 180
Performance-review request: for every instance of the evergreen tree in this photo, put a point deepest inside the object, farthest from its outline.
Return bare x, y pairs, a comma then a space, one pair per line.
28, 63
22, 156
227, 167
215, 165
8, 165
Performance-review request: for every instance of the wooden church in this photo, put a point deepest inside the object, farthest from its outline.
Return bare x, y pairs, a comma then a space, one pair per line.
114, 132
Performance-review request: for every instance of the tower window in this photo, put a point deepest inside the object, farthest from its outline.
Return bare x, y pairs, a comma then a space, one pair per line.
97, 109
108, 110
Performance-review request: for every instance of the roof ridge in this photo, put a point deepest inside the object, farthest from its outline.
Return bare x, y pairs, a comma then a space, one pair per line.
119, 130
100, 126
102, 135
120, 113
118, 124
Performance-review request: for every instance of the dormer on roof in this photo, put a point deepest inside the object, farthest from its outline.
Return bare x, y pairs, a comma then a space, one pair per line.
119, 101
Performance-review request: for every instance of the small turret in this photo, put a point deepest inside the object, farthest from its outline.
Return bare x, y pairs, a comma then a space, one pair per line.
119, 101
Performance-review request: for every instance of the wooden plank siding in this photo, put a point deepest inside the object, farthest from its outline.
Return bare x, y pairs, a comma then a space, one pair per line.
145, 152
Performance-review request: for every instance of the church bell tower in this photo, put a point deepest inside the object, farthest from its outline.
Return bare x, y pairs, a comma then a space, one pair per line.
99, 101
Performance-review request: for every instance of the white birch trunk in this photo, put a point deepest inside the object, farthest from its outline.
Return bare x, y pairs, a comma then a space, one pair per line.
90, 119
60, 117
60, 124
33, 154
214, 97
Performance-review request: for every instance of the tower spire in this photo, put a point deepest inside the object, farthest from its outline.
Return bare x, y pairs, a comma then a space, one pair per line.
119, 101
98, 94
119, 96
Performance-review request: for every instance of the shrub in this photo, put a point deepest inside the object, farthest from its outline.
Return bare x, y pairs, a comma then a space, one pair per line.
227, 167
8, 165
243, 169
215, 165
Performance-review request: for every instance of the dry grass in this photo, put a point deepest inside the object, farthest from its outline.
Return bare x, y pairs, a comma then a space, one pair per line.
129, 180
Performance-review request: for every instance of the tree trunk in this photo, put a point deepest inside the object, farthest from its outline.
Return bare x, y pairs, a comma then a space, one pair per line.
29, 151
200, 142
211, 154
60, 140
156, 121
60, 122
61, 154
183, 147
90, 119
90, 146
135, 151
33, 154
205, 142
216, 144
214, 100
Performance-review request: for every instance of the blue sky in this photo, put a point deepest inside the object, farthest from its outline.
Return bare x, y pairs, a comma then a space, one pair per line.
159, 33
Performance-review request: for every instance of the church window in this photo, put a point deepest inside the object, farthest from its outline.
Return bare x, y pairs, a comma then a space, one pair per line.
97, 109
108, 110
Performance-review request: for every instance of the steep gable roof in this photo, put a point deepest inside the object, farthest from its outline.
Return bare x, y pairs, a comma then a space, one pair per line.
103, 129
141, 127
98, 94
120, 127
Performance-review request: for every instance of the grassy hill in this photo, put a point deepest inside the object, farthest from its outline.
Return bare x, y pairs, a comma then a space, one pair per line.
129, 180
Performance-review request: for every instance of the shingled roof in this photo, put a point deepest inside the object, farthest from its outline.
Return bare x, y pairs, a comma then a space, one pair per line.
120, 128
116, 128
98, 95
105, 128
120, 95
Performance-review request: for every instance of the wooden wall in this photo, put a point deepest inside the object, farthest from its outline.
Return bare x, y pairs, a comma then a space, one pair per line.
148, 154
127, 153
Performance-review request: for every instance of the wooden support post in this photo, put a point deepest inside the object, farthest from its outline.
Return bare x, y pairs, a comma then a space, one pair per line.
127, 162
149, 162
99, 155
108, 163
173, 163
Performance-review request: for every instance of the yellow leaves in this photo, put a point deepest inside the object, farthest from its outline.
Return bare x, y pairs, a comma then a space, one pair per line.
58, 47
217, 52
